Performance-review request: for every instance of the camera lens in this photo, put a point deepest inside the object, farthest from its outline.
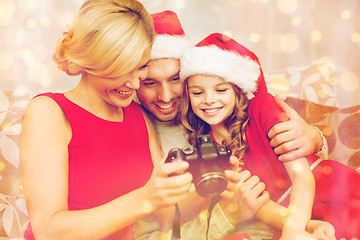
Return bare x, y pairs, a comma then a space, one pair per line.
211, 184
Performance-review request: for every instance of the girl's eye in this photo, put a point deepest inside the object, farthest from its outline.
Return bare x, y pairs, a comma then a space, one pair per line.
222, 90
196, 93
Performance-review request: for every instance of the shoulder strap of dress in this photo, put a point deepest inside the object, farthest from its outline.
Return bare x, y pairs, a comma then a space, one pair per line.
60, 99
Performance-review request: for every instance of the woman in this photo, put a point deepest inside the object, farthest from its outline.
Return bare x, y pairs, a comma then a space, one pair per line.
87, 155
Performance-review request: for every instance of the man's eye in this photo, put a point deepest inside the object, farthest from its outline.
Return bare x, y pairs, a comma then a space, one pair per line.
175, 79
148, 83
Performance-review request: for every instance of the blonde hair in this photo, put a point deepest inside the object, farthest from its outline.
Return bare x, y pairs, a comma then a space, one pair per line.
236, 123
106, 38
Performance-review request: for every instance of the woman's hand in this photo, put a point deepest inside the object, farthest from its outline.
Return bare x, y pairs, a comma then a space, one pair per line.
163, 190
243, 197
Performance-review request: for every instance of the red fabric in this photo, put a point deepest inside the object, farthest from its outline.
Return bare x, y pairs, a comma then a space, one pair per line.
167, 22
242, 236
106, 159
337, 196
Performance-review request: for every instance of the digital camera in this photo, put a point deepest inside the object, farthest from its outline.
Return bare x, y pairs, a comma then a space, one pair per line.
207, 162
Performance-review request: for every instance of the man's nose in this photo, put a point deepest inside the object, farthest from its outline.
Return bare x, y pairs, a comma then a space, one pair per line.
165, 93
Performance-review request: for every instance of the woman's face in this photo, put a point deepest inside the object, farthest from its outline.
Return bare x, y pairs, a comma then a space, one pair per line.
118, 92
212, 99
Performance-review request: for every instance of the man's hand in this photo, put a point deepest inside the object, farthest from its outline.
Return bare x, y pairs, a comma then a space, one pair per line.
243, 197
294, 138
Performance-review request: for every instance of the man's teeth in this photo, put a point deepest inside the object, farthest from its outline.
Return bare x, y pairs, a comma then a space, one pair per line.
211, 110
166, 106
123, 92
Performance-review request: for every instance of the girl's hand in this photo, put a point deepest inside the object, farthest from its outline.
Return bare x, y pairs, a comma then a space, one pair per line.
315, 230
296, 235
321, 230
243, 197
163, 190
235, 164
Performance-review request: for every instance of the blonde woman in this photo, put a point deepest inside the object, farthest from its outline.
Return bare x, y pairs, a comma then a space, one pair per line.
90, 160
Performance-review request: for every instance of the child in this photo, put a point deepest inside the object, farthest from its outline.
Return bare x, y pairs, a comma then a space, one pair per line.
229, 100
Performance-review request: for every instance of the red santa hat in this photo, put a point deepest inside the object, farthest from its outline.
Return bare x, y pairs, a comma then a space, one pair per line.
220, 55
170, 40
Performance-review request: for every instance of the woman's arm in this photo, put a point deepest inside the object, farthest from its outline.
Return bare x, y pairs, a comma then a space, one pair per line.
44, 164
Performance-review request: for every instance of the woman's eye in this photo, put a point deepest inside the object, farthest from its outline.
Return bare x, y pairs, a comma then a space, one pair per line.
196, 93
143, 67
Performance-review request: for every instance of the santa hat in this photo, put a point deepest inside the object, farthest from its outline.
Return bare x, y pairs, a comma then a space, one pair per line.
219, 55
170, 40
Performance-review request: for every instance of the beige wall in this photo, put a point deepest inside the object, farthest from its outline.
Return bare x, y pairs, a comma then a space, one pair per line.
283, 33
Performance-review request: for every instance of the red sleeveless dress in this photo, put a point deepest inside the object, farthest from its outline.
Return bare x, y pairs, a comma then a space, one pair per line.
106, 159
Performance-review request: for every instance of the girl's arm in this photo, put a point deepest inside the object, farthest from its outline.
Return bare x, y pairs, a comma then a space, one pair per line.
301, 196
44, 163
296, 217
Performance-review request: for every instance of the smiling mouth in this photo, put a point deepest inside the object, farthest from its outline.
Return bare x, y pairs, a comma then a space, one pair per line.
124, 93
166, 108
212, 110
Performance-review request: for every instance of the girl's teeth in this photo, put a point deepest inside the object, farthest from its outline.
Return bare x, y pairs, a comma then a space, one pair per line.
211, 110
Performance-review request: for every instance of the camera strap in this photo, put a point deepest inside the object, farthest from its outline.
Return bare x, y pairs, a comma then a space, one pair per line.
176, 234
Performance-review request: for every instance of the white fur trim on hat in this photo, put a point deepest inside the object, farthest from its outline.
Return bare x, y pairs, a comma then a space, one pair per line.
211, 60
170, 46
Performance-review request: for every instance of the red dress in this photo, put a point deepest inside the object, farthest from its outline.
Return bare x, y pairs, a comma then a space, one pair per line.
337, 196
106, 159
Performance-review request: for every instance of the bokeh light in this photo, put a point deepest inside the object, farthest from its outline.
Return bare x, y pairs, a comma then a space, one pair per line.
316, 35
355, 37
227, 34
296, 21
180, 3
289, 43
31, 23
2, 166
7, 10
254, 37
349, 81
287, 6
345, 14
327, 131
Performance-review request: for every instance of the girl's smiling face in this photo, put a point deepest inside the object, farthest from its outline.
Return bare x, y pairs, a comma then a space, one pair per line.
212, 98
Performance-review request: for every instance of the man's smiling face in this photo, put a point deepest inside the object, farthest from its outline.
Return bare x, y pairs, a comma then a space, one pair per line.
161, 91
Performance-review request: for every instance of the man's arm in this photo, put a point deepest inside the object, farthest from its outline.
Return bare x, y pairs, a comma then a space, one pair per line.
295, 138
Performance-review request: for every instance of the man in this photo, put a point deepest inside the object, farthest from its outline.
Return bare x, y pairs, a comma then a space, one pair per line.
160, 94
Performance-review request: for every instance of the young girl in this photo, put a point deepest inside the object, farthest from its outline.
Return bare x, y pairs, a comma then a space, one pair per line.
226, 96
